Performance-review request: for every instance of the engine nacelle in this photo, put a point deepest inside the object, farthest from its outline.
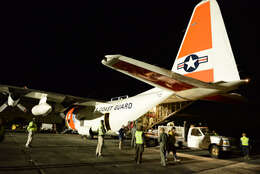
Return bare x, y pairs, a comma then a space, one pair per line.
41, 109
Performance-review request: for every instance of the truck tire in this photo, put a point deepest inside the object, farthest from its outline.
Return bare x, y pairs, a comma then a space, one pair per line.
214, 151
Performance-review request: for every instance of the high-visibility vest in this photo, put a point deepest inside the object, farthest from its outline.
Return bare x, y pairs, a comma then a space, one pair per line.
100, 130
244, 141
32, 126
139, 137
13, 127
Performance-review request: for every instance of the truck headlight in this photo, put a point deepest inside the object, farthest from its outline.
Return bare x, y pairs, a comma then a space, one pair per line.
226, 143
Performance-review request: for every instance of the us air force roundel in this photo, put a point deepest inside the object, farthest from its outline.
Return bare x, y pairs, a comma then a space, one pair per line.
191, 62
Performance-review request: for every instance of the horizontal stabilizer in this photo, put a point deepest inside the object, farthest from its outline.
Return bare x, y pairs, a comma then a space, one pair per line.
231, 98
185, 88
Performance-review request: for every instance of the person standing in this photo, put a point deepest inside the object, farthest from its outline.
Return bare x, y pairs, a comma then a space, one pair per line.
13, 127
163, 144
133, 130
214, 133
245, 145
171, 143
121, 136
31, 128
101, 134
139, 141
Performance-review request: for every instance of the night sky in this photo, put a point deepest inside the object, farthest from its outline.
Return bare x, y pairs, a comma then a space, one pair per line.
58, 47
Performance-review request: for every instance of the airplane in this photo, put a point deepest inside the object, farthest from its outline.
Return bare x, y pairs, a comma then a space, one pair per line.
204, 69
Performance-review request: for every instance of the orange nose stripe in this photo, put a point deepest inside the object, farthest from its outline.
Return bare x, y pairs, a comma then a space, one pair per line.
69, 119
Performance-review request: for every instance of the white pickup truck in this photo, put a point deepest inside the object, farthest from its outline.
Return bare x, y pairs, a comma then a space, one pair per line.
203, 138
197, 138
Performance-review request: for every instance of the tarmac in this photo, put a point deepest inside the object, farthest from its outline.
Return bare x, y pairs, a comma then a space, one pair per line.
69, 153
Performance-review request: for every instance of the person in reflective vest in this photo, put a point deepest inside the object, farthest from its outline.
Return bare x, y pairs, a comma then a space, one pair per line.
245, 145
13, 127
139, 141
101, 134
31, 128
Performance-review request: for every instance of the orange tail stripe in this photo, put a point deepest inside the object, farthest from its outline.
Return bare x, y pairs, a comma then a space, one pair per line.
198, 36
205, 75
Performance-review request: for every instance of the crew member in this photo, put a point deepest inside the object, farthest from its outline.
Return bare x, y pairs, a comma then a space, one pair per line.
139, 141
215, 133
2, 130
121, 136
31, 128
13, 127
171, 143
101, 134
245, 145
133, 130
163, 143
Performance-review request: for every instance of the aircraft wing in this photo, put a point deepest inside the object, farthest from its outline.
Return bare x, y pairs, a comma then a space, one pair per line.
61, 102
185, 88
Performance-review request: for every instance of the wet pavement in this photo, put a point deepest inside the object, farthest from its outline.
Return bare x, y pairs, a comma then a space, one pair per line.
67, 153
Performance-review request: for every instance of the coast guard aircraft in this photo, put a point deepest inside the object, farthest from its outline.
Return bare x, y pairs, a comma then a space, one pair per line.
204, 69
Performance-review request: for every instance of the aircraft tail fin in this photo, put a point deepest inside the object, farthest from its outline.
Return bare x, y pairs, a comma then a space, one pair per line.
205, 52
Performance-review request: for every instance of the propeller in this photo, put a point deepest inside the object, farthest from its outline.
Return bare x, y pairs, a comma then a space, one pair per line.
12, 100
21, 107
2, 108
